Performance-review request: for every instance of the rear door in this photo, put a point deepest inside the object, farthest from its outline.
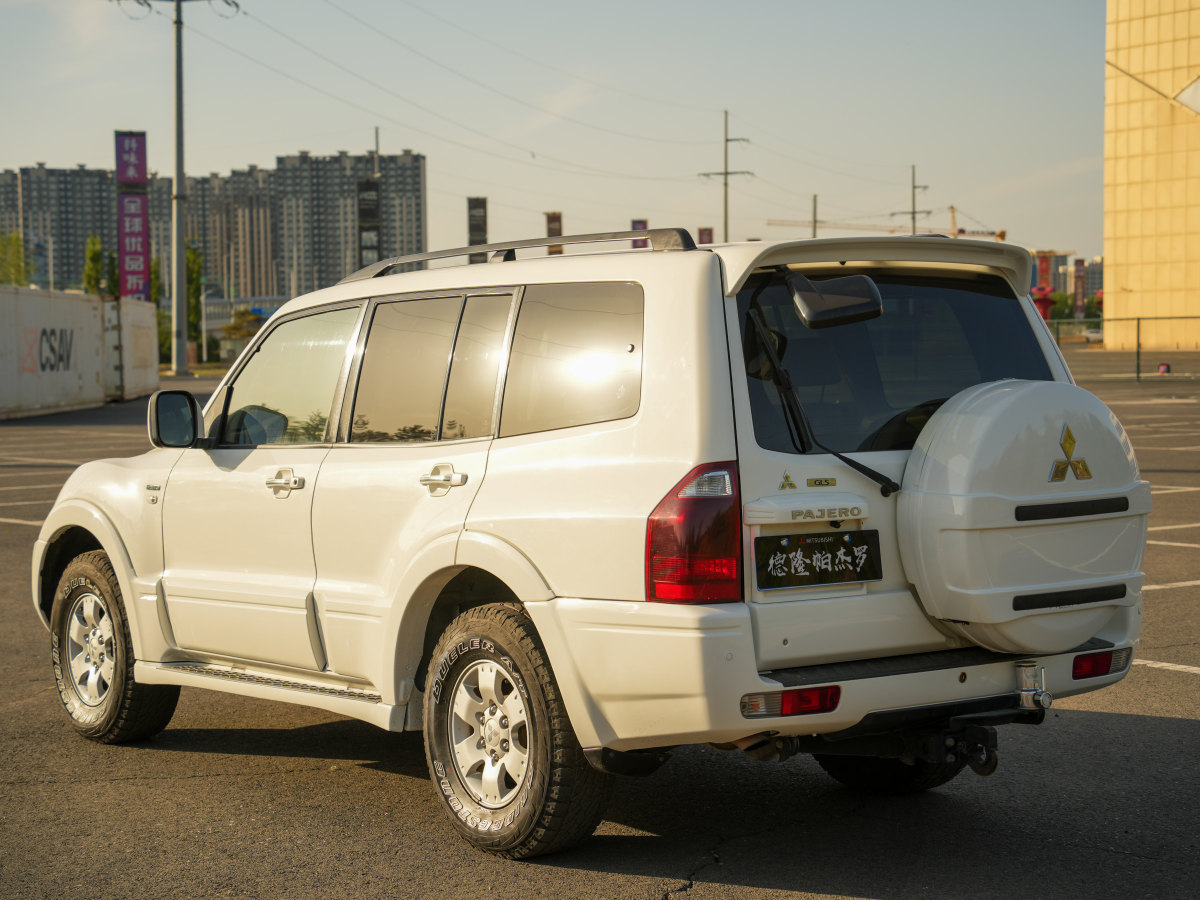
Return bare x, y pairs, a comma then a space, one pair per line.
826, 581
396, 488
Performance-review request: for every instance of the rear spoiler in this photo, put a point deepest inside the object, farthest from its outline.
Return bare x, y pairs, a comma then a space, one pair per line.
1010, 262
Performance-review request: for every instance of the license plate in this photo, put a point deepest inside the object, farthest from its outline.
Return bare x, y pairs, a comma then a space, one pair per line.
804, 560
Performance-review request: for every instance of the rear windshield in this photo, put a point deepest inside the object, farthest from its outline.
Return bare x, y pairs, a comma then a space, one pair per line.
873, 385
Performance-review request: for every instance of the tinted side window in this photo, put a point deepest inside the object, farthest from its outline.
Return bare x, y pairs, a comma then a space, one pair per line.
576, 357
404, 370
471, 393
284, 393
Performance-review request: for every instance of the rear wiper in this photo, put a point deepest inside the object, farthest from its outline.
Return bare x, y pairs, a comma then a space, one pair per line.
808, 438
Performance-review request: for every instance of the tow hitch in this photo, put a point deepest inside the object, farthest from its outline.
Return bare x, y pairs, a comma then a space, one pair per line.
977, 745
973, 744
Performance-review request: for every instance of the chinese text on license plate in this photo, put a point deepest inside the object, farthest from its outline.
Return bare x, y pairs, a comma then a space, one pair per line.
801, 560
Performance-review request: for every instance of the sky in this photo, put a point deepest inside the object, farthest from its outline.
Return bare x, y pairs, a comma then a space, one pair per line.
606, 111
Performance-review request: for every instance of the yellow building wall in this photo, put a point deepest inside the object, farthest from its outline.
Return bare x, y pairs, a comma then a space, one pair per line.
1151, 173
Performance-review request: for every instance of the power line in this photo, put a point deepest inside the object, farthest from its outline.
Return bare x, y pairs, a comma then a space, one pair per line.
545, 65
495, 90
785, 140
385, 89
376, 115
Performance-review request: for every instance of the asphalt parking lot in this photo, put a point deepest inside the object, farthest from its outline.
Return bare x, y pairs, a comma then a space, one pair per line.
244, 798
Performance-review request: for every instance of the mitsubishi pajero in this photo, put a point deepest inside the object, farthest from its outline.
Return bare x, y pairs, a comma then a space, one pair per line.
566, 513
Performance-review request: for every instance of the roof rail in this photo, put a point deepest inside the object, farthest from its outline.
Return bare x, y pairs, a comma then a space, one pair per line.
659, 238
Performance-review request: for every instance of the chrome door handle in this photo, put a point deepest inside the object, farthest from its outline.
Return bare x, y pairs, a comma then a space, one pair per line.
444, 479
286, 480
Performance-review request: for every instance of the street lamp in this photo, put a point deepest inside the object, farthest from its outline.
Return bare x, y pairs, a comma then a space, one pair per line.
178, 199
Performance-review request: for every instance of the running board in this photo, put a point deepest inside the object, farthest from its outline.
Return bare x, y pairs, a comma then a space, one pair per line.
356, 703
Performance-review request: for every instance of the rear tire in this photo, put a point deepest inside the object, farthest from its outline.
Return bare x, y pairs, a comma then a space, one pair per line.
91, 653
876, 775
500, 747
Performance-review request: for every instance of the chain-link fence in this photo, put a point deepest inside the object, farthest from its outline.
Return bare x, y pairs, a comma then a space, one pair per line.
1145, 348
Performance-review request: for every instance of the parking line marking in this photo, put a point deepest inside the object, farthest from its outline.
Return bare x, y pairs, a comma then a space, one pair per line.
19, 522
27, 502
1173, 527
1174, 584
1173, 544
28, 487
1174, 667
1191, 447
1165, 489
42, 459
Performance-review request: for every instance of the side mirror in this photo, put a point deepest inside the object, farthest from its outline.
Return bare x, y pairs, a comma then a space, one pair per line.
838, 301
174, 419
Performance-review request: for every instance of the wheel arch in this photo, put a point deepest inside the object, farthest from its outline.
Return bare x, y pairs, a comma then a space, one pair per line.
75, 527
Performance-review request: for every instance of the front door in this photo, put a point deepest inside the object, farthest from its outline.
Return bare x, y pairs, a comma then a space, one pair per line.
237, 518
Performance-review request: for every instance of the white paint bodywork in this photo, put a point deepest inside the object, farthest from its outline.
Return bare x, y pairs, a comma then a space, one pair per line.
332, 586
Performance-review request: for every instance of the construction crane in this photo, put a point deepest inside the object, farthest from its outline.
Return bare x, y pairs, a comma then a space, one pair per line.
839, 226
954, 231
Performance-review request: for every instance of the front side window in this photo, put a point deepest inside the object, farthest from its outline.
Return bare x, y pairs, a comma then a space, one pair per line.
284, 393
872, 385
576, 357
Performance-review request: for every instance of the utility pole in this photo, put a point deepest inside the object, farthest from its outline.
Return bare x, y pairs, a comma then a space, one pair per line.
178, 199
725, 173
912, 212
814, 215
178, 219
915, 188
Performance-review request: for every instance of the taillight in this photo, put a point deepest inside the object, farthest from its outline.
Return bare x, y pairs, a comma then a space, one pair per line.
694, 539
1092, 665
799, 702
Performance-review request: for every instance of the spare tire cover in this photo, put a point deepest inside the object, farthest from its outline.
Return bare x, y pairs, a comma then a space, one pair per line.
1022, 516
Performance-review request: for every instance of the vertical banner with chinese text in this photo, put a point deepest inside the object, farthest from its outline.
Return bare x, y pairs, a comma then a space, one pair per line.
368, 222
1044, 261
554, 229
639, 225
133, 215
1080, 289
477, 226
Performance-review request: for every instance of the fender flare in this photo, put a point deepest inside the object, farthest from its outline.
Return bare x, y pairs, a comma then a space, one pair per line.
500, 558
419, 586
77, 513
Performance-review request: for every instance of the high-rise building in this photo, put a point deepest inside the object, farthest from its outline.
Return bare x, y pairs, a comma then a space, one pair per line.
58, 209
316, 213
1151, 169
262, 232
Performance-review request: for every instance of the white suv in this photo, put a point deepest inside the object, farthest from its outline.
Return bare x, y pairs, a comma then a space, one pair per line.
564, 513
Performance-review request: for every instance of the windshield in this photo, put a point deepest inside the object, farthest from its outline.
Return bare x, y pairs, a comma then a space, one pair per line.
873, 385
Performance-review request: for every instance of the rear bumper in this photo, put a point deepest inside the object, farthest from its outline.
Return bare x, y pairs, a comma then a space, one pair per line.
641, 675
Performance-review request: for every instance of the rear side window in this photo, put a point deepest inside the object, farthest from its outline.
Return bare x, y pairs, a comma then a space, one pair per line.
576, 357
404, 369
873, 385
471, 393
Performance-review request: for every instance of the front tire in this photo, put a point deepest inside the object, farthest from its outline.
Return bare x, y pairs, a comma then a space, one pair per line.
876, 775
91, 653
500, 747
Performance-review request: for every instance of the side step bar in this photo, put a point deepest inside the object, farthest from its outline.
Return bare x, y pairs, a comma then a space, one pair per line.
356, 703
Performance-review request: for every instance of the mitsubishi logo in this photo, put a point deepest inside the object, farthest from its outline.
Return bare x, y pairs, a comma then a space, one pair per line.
1061, 466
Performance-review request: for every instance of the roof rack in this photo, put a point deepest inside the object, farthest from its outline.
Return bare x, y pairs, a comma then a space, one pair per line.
659, 238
